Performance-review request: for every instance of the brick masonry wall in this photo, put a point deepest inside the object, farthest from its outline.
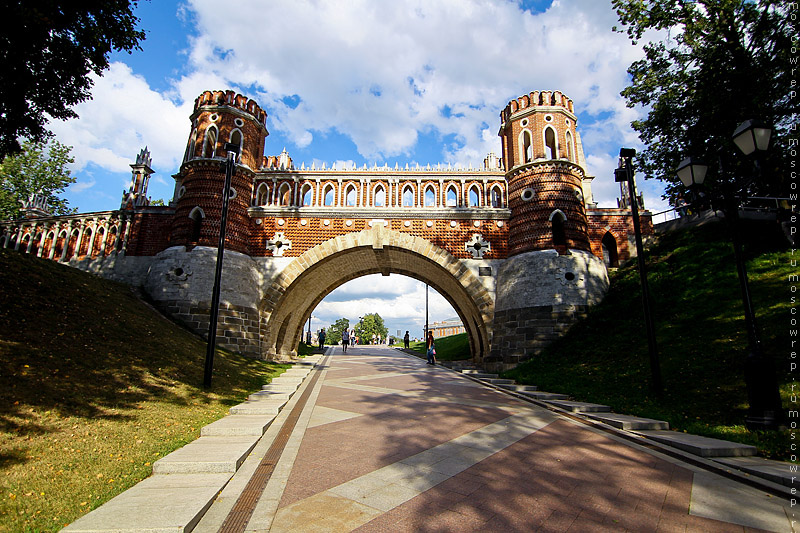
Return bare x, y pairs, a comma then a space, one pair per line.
238, 327
619, 224
305, 233
520, 334
150, 231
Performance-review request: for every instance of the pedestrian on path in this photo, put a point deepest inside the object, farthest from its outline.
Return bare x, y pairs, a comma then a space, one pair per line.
431, 345
406, 339
322, 339
345, 340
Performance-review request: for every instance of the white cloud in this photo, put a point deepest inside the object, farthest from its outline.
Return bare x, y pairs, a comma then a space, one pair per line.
380, 72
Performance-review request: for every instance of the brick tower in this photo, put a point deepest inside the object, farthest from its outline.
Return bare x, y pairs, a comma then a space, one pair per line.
544, 178
550, 277
219, 117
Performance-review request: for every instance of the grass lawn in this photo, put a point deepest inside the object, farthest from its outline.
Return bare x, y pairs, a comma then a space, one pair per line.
452, 348
94, 387
700, 335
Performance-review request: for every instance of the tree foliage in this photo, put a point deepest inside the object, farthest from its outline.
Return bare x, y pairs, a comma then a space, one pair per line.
715, 64
48, 49
39, 168
334, 333
371, 324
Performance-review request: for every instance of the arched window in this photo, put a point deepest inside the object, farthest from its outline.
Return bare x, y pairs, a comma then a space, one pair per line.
473, 197
285, 195
328, 196
210, 142
97, 245
111, 243
496, 196
190, 146
350, 196
557, 219
380, 196
550, 148
236, 138
430, 197
308, 195
569, 147
610, 254
452, 197
262, 195
408, 196
197, 217
527, 147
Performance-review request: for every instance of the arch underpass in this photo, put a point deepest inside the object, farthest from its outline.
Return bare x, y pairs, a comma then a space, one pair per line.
305, 282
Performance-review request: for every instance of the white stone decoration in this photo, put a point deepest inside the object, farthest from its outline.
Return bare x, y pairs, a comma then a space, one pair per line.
278, 244
258, 221
477, 223
348, 223
407, 223
326, 222
303, 222
477, 246
499, 223
453, 223
281, 222
429, 223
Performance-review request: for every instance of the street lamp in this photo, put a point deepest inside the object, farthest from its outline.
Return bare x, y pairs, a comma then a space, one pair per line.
765, 411
230, 168
622, 174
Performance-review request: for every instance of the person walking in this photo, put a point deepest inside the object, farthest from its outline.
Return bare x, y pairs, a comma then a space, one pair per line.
345, 340
406, 340
322, 339
431, 345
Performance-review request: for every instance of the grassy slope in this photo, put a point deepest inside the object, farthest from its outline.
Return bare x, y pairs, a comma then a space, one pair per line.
700, 334
94, 387
452, 348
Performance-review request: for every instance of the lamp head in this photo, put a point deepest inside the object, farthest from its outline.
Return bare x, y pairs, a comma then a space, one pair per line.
752, 136
692, 171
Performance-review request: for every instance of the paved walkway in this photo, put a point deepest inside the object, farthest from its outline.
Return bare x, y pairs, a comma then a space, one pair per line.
383, 442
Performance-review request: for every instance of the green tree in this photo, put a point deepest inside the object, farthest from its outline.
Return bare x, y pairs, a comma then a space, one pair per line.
334, 333
39, 168
371, 324
48, 50
717, 64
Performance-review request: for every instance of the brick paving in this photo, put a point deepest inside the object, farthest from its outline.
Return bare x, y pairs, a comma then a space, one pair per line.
393, 445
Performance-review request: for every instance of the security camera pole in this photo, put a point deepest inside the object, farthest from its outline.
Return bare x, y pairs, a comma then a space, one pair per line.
230, 168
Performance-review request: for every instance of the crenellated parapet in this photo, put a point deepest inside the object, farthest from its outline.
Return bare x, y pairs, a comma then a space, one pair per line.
231, 99
537, 99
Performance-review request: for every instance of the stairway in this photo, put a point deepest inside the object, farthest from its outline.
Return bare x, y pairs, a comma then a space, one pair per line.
726, 455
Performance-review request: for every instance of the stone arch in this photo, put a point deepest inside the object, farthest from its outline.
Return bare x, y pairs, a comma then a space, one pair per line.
292, 296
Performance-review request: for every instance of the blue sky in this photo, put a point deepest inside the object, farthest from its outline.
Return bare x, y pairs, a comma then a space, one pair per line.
407, 81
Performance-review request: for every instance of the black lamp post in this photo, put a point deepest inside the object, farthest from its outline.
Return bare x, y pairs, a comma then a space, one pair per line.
765, 411
230, 167
622, 174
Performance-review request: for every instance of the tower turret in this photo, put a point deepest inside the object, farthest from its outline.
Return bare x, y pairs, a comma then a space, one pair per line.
219, 117
544, 176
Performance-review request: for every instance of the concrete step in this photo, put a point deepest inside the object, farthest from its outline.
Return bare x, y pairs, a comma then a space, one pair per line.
702, 446
540, 395
269, 395
580, 407
479, 375
278, 388
207, 455
288, 380
629, 422
498, 381
519, 388
775, 471
238, 425
258, 407
175, 502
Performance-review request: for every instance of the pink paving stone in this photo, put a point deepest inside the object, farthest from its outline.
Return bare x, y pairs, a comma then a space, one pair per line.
560, 478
